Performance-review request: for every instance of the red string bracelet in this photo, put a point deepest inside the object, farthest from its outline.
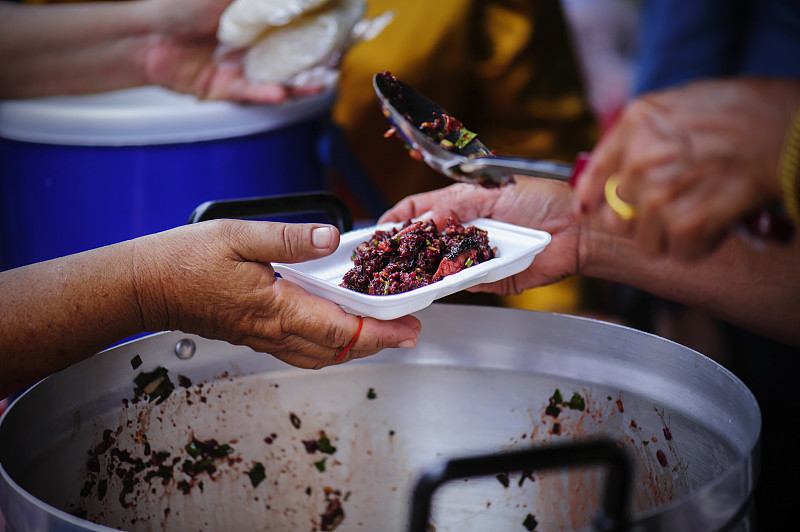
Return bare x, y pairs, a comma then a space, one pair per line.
352, 342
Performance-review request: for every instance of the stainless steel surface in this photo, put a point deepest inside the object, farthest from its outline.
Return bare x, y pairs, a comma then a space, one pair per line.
500, 168
406, 109
478, 382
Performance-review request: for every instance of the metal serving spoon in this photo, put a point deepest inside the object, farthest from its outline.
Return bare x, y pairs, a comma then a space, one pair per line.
449, 148
457, 153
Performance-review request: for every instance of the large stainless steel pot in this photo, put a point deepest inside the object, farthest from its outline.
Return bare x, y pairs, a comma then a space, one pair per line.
479, 381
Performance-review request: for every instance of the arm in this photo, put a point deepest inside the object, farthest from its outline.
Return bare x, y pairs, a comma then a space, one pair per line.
96, 47
213, 279
753, 285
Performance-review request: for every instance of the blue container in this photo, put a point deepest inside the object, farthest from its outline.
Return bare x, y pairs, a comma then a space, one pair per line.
86, 171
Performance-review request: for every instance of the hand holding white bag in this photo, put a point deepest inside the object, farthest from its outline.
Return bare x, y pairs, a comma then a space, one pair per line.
295, 42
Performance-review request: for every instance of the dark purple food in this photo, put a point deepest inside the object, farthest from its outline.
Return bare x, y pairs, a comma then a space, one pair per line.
415, 255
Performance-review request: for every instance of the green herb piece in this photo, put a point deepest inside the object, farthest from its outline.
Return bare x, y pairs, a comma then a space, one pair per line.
203, 465
102, 487
465, 136
446, 144
308, 490
107, 435
156, 384
324, 444
347, 496
371, 394
295, 420
136, 362
552, 410
502, 478
608, 398
163, 471
194, 449
557, 397
223, 450
645, 443
87, 488
577, 402
468, 262
184, 486
530, 522
127, 485
257, 474
321, 465
526, 473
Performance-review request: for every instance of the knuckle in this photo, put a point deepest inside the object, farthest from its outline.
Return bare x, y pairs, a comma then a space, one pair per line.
337, 337
287, 239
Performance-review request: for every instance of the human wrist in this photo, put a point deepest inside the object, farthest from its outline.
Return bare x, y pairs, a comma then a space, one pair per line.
603, 254
147, 284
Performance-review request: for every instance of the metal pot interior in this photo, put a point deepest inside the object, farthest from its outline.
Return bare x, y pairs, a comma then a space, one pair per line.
479, 381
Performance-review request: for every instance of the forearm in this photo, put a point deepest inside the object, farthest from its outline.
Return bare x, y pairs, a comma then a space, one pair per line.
754, 285
56, 313
71, 49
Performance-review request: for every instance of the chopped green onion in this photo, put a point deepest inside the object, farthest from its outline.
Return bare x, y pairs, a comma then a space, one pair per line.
324, 444
257, 474
193, 449
577, 402
465, 137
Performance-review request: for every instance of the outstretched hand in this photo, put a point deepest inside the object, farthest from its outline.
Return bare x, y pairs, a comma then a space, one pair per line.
215, 279
535, 203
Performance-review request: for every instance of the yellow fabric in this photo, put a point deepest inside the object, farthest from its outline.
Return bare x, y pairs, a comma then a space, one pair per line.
504, 67
564, 296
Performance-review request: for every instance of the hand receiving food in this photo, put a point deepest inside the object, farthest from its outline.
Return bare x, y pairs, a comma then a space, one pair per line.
692, 162
531, 202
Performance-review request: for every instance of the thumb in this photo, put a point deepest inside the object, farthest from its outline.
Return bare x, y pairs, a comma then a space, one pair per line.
282, 242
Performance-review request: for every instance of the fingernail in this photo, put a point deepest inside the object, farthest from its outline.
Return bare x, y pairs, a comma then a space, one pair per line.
407, 344
321, 237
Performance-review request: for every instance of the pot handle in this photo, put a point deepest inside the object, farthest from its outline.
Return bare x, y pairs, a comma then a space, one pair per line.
266, 206
612, 516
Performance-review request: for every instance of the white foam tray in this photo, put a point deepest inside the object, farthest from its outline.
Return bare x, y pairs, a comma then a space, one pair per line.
516, 248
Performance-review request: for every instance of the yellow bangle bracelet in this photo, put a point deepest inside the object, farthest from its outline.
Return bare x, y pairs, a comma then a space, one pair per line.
789, 169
